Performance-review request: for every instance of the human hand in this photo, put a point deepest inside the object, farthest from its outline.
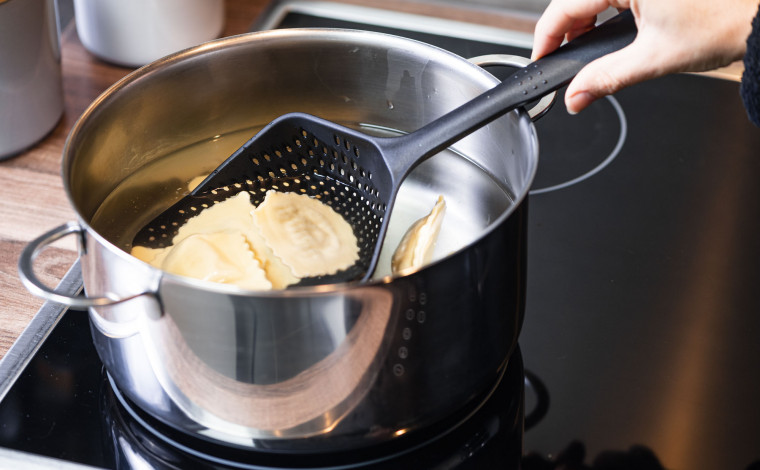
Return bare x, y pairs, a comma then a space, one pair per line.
673, 36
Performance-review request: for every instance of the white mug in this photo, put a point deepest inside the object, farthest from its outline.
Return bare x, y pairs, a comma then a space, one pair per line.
133, 33
31, 91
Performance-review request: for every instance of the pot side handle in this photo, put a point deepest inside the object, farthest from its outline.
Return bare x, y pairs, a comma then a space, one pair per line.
506, 60
38, 288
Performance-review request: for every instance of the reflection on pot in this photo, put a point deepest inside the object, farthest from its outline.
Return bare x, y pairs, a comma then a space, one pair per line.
279, 366
486, 436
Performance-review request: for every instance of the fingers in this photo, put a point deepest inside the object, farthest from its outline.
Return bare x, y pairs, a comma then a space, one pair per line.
673, 36
566, 19
611, 73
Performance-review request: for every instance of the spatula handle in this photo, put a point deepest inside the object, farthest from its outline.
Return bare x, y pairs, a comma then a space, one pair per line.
525, 85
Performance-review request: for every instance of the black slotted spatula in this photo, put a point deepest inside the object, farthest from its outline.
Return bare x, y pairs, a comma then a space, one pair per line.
359, 175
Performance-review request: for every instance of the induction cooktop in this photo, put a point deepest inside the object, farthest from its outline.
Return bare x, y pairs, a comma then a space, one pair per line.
642, 313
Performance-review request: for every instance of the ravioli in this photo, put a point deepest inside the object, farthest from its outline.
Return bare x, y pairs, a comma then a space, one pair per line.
288, 237
418, 243
307, 235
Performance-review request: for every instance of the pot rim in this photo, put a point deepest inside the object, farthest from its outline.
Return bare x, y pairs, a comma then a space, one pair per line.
333, 34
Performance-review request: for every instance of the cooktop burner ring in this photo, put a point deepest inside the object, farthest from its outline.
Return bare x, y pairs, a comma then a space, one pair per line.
547, 137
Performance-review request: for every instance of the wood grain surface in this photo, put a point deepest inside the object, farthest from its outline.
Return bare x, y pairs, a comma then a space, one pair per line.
32, 198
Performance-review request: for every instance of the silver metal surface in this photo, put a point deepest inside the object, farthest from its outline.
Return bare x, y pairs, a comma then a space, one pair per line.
31, 91
327, 367
38, 288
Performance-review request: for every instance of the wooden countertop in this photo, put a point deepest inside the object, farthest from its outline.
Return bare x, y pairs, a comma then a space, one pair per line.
32, 199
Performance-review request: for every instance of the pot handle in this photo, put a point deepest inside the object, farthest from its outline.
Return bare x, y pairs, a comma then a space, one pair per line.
543, 105
38, 288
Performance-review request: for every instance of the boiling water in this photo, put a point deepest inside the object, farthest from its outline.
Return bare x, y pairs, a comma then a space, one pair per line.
473, 198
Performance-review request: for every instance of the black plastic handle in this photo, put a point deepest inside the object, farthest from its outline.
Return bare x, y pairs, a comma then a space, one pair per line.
535, 80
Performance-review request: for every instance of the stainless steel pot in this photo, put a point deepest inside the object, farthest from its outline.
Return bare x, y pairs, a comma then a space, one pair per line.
323, 368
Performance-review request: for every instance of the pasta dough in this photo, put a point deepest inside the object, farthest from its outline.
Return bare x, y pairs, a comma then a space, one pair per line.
288, 237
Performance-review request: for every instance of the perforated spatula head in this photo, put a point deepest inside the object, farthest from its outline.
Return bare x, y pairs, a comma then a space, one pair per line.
298, 153
359, 175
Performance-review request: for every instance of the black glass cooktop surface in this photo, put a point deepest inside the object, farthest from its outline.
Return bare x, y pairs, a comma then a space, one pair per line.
643, 314
64, 407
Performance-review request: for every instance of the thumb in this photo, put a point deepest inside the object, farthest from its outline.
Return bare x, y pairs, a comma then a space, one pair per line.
609, 74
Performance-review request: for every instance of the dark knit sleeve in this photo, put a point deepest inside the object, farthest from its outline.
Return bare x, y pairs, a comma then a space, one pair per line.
750, 86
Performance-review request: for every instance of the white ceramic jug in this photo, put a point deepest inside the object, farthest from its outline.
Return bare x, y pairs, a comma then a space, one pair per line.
135, 32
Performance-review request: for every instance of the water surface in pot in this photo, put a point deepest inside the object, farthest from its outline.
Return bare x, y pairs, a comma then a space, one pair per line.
473, 197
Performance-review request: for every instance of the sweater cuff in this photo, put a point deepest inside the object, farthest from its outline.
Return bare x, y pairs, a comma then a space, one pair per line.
750, 85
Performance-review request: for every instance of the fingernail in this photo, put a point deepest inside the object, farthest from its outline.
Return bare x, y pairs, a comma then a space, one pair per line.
578, 102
